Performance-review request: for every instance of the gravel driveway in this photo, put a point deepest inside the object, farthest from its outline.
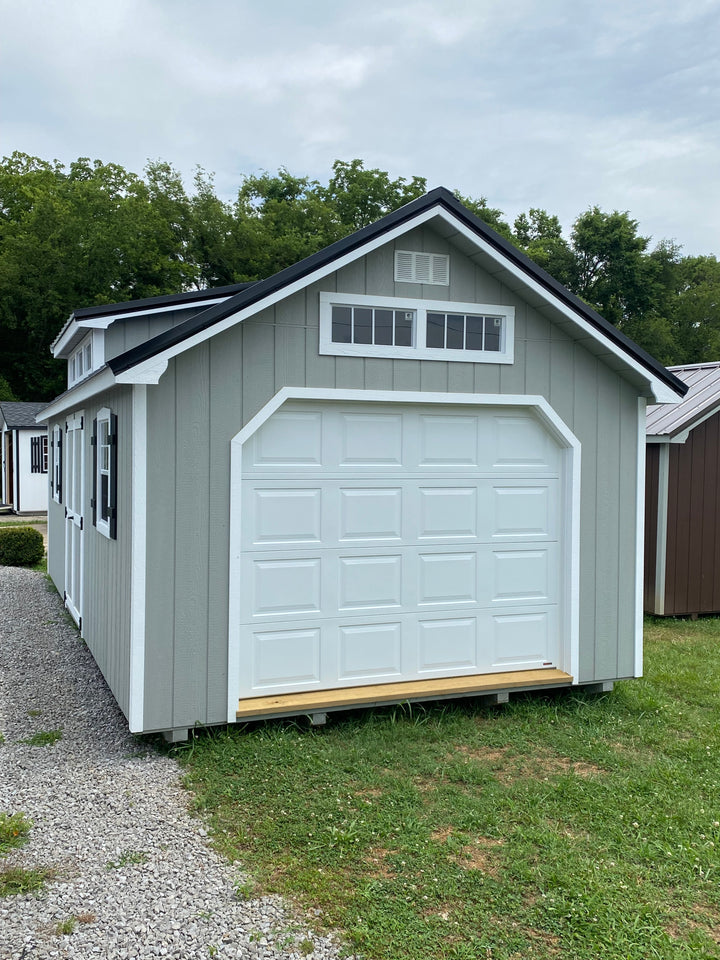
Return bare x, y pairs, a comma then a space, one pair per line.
108, 815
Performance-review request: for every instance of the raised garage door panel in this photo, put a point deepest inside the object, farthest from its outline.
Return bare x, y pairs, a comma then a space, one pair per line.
394, 543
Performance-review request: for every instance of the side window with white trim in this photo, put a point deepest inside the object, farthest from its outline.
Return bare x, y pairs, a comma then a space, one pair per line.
104, 497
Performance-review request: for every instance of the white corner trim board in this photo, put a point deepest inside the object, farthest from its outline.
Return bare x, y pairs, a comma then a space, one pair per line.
640, 536
138, 573
569, 504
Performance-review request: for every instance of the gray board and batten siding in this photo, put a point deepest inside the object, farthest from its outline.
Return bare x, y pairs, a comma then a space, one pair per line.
209, 392
106, 601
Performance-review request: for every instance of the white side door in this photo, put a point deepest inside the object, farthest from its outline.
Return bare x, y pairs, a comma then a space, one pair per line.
74, 499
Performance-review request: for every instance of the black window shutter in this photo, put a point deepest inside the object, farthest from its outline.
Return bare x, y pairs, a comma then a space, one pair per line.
60, 465
35, 455
93, 499
52, 465
113, 476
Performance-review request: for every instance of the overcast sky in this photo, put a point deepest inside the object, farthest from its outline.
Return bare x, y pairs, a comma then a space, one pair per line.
561, 104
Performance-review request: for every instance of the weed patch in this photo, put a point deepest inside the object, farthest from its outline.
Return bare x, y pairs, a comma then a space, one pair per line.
127, 858
44, 738
18, 880
14, 828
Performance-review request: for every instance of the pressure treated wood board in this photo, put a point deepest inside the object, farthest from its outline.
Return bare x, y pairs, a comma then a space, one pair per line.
318, 700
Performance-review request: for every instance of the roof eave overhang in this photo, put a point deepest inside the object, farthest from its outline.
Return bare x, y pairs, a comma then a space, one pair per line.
683, 430
104, 379
101, 317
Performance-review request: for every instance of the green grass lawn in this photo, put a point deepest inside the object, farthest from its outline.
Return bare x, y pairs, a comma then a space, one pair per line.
557, 826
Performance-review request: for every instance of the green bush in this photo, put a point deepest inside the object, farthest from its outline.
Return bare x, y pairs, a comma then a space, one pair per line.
21, 546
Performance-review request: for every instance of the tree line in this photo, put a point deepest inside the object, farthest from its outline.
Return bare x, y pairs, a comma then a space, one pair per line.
91, 233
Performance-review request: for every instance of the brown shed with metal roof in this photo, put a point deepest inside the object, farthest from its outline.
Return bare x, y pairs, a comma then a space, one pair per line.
682, 504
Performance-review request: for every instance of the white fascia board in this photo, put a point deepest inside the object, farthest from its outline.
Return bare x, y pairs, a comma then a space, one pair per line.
100, 381
102, 323
59, 342
73, 333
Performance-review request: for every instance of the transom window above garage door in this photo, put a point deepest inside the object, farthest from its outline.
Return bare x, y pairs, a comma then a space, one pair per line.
359, 325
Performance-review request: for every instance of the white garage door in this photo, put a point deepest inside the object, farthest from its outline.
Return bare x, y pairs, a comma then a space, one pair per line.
383, 543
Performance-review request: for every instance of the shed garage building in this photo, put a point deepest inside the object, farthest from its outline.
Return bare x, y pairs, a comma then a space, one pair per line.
409, 466
682, 529
23, 458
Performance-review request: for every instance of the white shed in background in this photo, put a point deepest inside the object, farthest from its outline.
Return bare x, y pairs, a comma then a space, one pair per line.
24, 458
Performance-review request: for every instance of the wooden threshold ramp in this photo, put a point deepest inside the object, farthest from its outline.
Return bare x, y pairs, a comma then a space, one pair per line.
289, 704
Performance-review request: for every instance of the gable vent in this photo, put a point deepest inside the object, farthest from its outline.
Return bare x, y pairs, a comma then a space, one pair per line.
414, 267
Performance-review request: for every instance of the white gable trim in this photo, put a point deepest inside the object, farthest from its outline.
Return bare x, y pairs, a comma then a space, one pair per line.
661, 391
555, 425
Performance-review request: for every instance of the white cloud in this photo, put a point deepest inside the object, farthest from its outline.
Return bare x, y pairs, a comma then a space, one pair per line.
558, 105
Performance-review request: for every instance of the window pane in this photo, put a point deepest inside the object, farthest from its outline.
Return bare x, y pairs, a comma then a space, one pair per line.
79, 364
104, 496
341, 324
88, 356
474, 333
455, 332
493, 332
362, 329
404, 320
384, 327
436, 330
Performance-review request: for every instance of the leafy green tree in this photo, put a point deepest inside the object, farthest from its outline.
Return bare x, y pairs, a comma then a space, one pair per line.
489, 215
92, 233
5, 390
359, 197
695, 310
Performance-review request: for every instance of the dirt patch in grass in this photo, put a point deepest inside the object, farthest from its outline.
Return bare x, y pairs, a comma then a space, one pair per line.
547, 942
480, 855
441, 834
376, 859
488, 755
508, 767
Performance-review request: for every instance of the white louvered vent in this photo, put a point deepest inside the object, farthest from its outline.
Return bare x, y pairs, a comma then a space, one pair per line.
412, 266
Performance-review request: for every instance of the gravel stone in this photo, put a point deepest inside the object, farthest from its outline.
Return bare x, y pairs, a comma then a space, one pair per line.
109, 817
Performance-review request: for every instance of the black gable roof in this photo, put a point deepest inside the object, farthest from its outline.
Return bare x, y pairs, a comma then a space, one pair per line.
440, 196
163, 300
